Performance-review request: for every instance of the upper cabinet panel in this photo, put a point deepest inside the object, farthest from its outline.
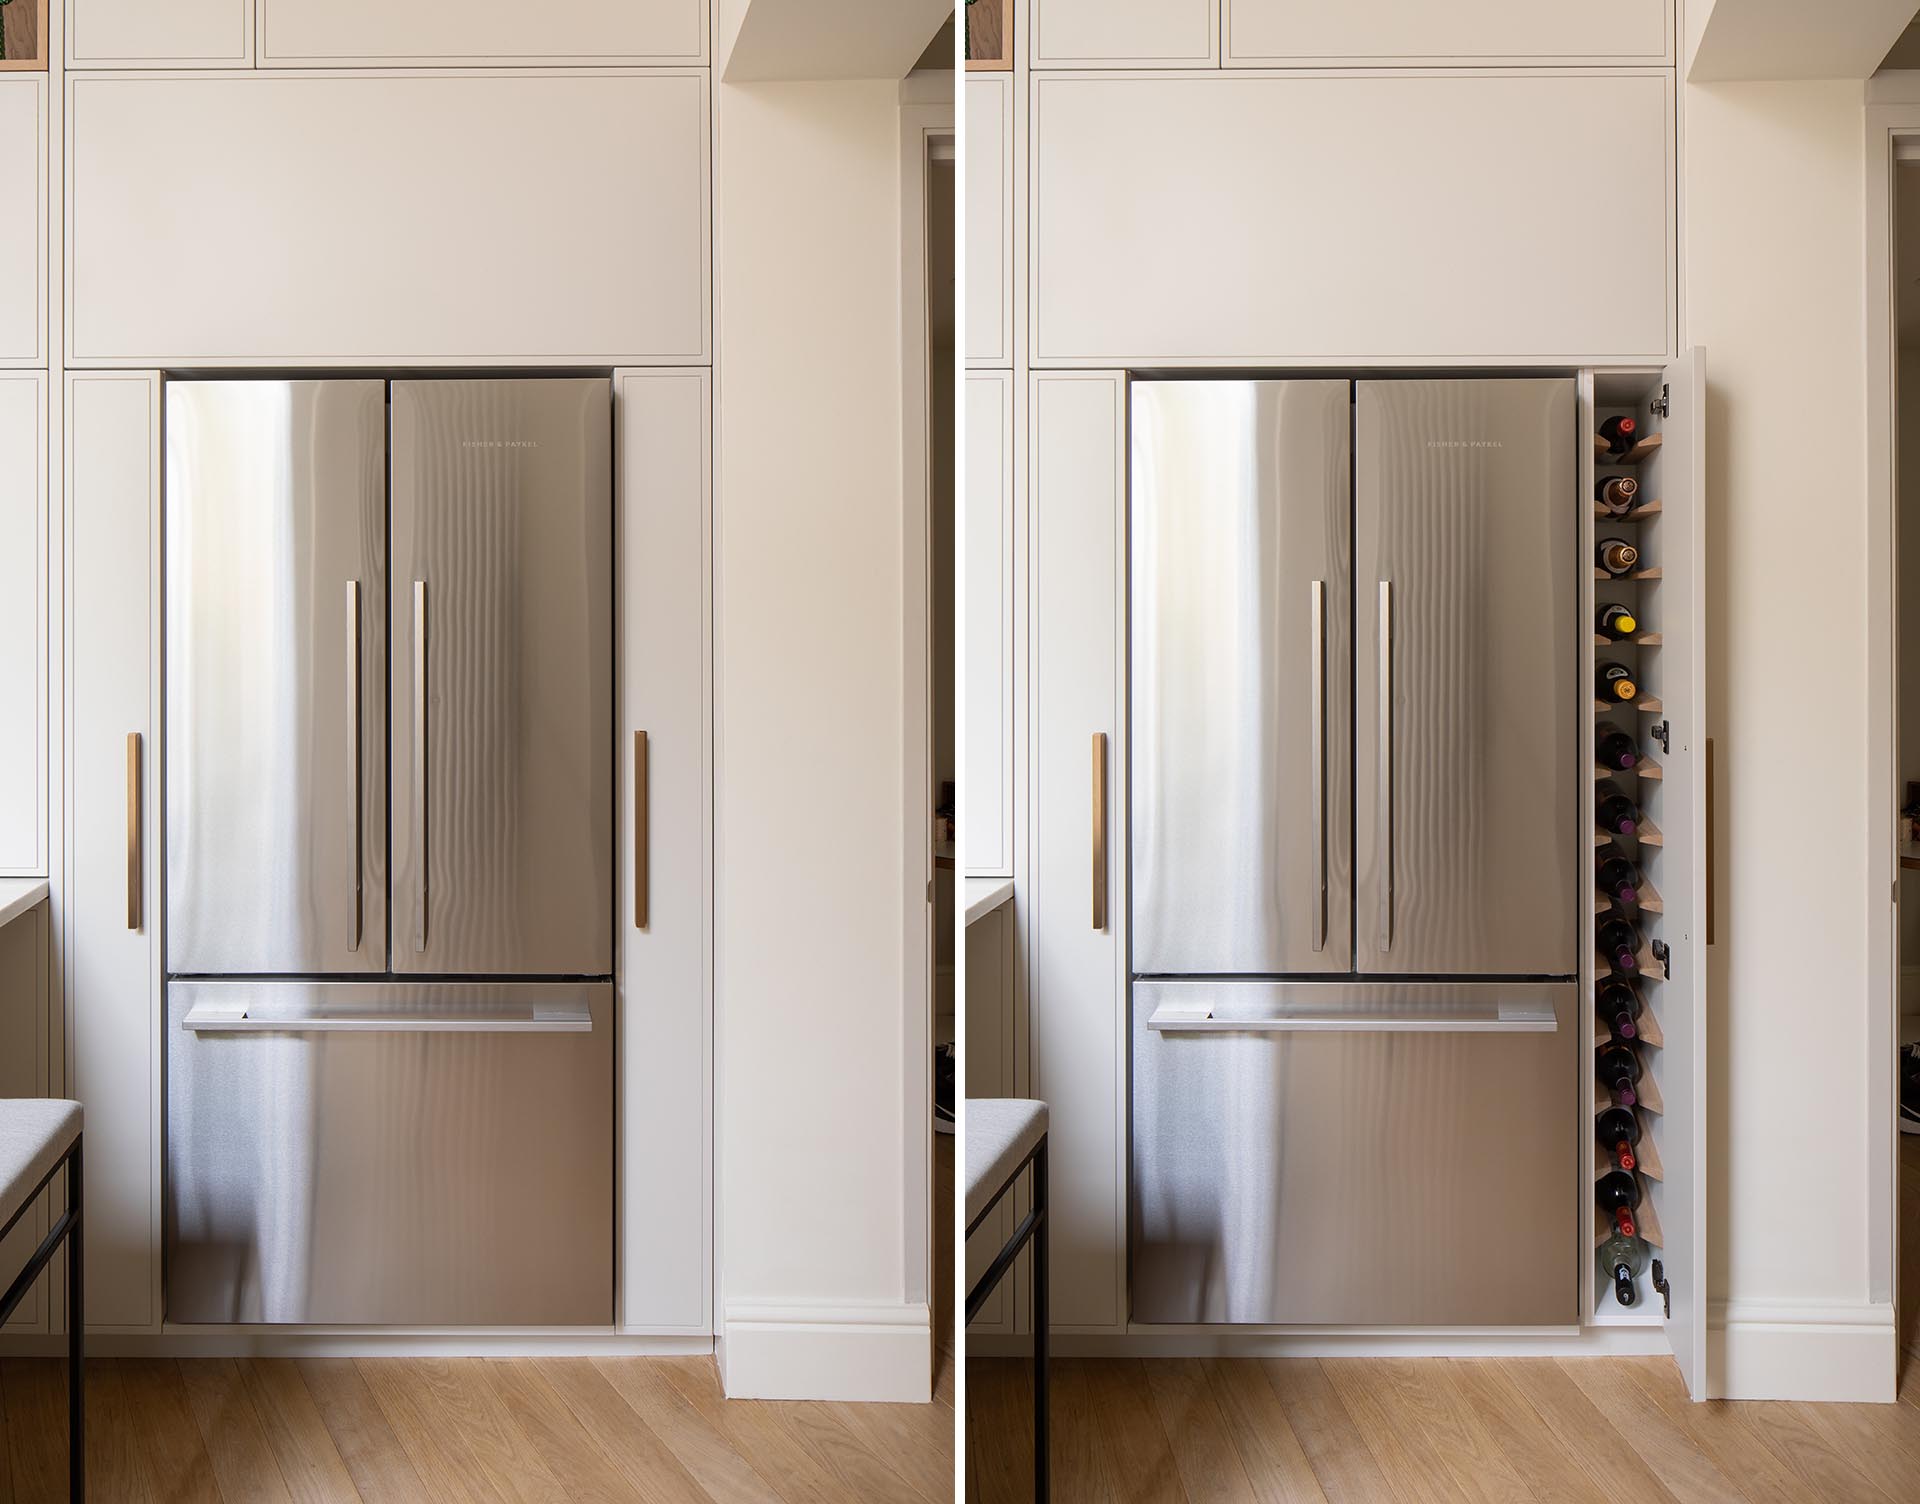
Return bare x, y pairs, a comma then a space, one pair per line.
141, 34
1125, 33
1267, 33
1215, 220
397, 219
369, 33
23, 223
989, 191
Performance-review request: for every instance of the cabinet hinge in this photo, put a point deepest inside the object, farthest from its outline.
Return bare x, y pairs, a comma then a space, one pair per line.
1658, 407
1661, 733
1663, 953
1665, 1290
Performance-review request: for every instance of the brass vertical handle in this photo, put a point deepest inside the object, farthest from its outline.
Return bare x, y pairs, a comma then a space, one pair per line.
1100, 830
353, 765
1383, 791
133, 830
642, 878
1318, 731
420, 762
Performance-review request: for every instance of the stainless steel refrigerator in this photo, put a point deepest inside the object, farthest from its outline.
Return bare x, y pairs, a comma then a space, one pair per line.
1357, 821
389, 866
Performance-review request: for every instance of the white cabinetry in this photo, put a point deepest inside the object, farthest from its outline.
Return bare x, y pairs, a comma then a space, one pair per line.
1077, 989
23, 225
1125, 33
112, 908
986, 542
23, 624
989, 194
388, 218
666, 1066
141, 34
1272, 32
1247, 219
369, 32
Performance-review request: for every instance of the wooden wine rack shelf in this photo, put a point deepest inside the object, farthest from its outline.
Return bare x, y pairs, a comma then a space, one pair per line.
1647, 703
1646, 833
1644, 510
1649, 445
1644, 640
1649, 902
1645, 768
1639, 574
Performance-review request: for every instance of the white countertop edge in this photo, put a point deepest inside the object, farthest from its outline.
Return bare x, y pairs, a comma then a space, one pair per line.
985, 894
18, 894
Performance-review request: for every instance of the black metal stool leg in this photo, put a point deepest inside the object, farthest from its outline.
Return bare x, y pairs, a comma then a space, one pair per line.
76, 1336
1040, 1447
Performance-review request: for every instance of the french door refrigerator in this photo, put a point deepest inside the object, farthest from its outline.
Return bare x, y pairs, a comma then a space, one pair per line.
389, 865
1355, 844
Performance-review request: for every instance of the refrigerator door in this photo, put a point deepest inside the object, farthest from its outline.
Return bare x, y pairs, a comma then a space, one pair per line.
276, 692
1470, 803
1394, 1154
427, 1153
502, 521
1241, 676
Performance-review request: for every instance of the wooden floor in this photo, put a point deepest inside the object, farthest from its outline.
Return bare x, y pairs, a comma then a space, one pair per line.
1402, 1431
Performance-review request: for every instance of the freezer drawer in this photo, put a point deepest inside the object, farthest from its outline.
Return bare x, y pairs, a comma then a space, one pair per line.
424, 1154
1398, 1154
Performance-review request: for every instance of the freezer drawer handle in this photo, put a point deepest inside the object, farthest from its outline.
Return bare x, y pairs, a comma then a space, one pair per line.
420, 763
353, 763
1319, 791
538, 1020
1384, 784
1099, 830
1179, 1019
133, 830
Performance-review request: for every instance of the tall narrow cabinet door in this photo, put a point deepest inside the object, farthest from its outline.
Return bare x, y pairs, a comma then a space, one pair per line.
1467, 849
502, 710
1078, 909
1678, 804
276, 686
1241, 676
664, 754
113, 480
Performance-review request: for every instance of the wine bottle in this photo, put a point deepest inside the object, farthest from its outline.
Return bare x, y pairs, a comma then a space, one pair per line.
1618, 1131
1617, 877
1613, 809
1619, 942
1617, 493
1619, 1007
1619, 434
1619, 1067
1616, 556
1618, 1192
1622, 1258
1613, 748
1615, 622
1614, 681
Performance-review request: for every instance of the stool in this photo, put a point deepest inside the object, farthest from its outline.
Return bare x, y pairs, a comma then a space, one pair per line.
1004, 1136
37, 1139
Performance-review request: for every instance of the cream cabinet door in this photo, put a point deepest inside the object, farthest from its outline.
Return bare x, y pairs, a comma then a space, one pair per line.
368, 33
989, 191
665, 863
112, 918
389, 219
141, 34
1078, 903
23, 227
986, 545
1125, 33
1474, 240
23, 624
1271, 33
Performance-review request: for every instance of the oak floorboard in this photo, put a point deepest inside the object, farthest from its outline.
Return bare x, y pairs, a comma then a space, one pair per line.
1530, 1446
1210, 1467
1333, 1443
165, 1435
863, 1473
114, 1469
310, 1463
1583, 1431
582, 1470
1682, 1468
407, 1405
1416, 1473
374, 1458
916, 1439
6, 1452
1431, 1415
1882, 1441
1077, 1462
1000, 1430
1263, 1437
1140, 1460
702, 1449
626, 1439
36, 1407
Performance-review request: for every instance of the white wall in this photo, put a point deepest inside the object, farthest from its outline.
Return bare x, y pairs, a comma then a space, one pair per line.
1907, 501
1774, 267
812, 986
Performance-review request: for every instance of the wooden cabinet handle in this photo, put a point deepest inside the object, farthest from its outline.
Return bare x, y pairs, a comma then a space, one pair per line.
642, 879
1100, 830
1713, 896
133, 830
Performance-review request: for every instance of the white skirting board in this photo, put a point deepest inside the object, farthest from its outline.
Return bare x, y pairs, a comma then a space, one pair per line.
267, 1342
822, 1352
1759, 1350
1519, 1342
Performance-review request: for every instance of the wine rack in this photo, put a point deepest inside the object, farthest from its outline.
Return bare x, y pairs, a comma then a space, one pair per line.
1650, 527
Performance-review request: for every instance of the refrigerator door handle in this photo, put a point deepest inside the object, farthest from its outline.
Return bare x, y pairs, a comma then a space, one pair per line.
353, 765
213, 1019
1383, 788
1318, 731
1099, 874
1178, 1020
420, 763
133, 830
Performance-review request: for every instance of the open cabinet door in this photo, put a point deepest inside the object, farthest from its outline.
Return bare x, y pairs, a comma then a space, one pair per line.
1682, 1067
